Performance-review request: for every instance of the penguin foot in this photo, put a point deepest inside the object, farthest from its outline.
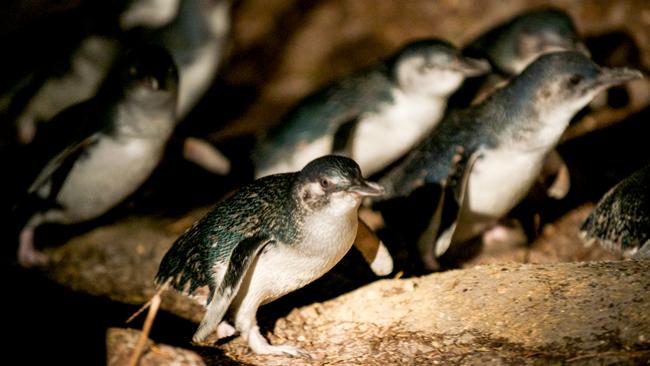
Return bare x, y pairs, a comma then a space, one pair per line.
225, 330
259, 345
382, 265
32, 258
28, 256
430, 263
203, 154
561, 185
504, 236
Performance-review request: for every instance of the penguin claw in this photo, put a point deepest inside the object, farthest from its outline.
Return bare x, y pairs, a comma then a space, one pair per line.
260, 346
225, 330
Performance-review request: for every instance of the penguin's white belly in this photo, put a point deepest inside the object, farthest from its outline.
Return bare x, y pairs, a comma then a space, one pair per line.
287, 267
196, 77
303, 154
381, 138
110, 172
500, 179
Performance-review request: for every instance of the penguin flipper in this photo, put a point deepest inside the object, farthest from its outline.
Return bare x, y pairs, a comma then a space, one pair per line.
244, 253
457, 205
57, 169
61, 140
344, 137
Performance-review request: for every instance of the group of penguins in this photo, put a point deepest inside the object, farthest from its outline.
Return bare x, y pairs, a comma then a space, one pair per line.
455, 137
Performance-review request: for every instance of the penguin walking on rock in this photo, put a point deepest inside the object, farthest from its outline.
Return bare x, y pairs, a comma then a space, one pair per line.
621, 220
373, 116
275, 235
96, 153
480, 162
510, 47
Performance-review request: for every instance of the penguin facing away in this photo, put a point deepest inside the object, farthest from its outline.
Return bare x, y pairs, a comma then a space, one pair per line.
511, 46
96, 153
484, 159
373, 116
621, 220
273, 236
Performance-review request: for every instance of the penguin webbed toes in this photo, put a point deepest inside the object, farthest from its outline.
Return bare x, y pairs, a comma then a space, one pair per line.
261, 346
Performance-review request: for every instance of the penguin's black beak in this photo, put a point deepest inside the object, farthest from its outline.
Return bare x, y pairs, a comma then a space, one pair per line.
366, 188
472, 66
609, 77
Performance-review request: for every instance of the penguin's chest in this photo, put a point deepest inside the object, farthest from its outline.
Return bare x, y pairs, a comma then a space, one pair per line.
197, 75
109, 172
382, 137
287, 267
500, 179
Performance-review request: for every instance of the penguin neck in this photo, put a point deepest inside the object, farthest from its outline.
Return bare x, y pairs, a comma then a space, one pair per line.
137, 119
521, 123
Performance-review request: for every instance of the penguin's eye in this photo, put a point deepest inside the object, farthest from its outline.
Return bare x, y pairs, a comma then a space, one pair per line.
575, 79
324, 182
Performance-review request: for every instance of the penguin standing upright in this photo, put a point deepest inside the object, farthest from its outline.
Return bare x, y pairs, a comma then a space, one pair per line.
373, 116
273, 236
96, 153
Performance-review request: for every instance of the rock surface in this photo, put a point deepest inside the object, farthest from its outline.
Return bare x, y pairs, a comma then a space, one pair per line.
505, 311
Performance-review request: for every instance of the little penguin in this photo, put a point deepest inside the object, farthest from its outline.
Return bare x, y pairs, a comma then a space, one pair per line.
509, 47
194, 31
374, 115
196, 37
483, 160
621, 220
273, 236
512, 45
96, 153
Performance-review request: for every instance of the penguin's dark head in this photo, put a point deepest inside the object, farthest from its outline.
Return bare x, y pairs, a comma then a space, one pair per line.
567, 81
149, 69
532, 34
433, 67
333, 183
